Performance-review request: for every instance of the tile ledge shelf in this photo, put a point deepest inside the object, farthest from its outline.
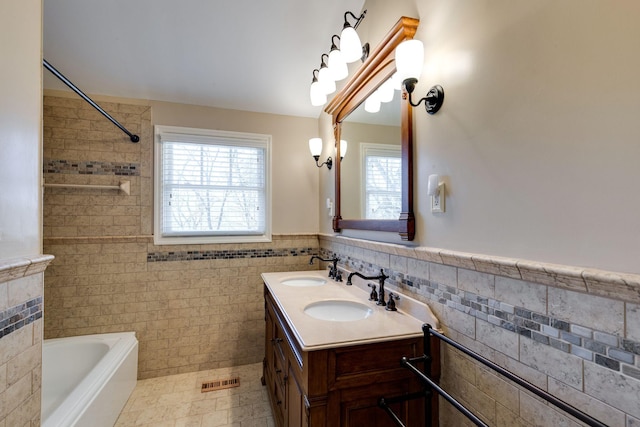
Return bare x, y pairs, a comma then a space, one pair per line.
16, 268
149, 239
608, 284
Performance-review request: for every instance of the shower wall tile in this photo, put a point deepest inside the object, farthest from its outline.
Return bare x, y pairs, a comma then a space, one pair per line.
82, 147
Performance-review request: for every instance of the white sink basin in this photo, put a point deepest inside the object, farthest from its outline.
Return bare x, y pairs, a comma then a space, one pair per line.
338, 310
304, 281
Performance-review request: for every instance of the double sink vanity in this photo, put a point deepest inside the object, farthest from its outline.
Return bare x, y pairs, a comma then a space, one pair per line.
331, 353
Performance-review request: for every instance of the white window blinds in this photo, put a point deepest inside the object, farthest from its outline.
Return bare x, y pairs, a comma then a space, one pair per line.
212, 186
383, 181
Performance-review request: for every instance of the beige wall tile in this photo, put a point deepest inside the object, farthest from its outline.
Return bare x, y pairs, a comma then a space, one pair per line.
600, 411
535, 412
552, 362
521, 294
476, 282
632, 329
497, 338
612, 388
594, 312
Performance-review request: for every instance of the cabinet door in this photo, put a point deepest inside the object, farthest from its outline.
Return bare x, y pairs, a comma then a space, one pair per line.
295, 398
359, 406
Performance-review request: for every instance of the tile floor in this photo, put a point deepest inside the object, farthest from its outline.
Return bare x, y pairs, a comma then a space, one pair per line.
176, 400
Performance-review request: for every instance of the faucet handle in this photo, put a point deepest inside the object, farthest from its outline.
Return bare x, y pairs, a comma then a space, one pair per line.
391, 305
331, 272
338, 276
374, 294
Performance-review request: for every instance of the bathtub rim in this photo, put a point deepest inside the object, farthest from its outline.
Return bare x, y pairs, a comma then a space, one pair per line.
121, 345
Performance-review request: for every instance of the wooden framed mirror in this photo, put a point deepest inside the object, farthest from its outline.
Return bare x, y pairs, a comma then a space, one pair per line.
378, 68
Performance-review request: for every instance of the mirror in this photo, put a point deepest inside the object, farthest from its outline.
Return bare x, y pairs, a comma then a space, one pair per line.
345, 111
371, 178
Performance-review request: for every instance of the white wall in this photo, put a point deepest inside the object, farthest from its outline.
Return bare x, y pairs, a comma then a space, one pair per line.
20, 128
539, 137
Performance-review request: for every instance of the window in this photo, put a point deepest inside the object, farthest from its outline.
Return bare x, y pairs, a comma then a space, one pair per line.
211, 186
382, 170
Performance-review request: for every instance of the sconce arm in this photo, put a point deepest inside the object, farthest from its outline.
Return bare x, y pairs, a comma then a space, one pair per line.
329, 162
432, 101
358, 19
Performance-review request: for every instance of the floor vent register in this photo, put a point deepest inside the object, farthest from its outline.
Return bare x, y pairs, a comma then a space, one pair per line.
220, 384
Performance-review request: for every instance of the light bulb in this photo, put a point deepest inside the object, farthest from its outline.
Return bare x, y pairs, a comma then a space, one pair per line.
350, 45
326, 80
337, 65
315, 146
385, 91
343, 148
317, 95
409, 59
372, 103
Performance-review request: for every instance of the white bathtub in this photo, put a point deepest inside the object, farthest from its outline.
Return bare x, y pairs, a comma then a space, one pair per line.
87, 380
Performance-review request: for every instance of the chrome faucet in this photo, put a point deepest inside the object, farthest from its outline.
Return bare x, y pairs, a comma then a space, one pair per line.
334, 273
380, 278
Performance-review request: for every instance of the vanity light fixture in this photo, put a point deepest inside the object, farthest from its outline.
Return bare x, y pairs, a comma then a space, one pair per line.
409, 57
315, 146
316, 93
335, 68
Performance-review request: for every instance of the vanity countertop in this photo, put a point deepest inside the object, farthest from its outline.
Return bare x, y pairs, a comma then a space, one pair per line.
315, 334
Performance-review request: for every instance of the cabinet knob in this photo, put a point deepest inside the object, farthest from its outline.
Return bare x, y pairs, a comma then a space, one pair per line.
276, 340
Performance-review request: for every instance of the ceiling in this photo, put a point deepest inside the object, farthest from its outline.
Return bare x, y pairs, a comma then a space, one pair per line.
251, 55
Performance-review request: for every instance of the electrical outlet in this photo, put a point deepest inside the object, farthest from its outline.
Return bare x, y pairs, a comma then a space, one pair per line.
437, 200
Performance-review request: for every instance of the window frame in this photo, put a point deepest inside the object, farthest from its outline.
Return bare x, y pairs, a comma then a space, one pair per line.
383, 150
234, 138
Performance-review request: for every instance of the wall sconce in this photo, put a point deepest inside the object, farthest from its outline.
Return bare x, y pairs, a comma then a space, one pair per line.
343, 149
315, 146
409, 58
325, 78
316, 93
337, 64
349, 40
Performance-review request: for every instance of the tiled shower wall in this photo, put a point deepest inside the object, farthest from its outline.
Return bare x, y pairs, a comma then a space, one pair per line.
192, 307
572, 332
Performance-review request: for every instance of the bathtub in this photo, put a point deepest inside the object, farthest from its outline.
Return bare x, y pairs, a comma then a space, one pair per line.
86, 380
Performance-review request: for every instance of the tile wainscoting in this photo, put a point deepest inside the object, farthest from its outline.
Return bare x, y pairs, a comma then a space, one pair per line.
21, 339
573, 332
193, 307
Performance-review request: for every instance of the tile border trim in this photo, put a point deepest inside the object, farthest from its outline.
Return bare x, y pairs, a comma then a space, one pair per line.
89, 167
19, 316
16, 268
609, 284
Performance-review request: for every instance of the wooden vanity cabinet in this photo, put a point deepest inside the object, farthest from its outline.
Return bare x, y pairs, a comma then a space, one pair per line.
339, 386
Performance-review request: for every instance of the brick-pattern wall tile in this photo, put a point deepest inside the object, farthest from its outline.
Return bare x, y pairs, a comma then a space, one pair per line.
188, 315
